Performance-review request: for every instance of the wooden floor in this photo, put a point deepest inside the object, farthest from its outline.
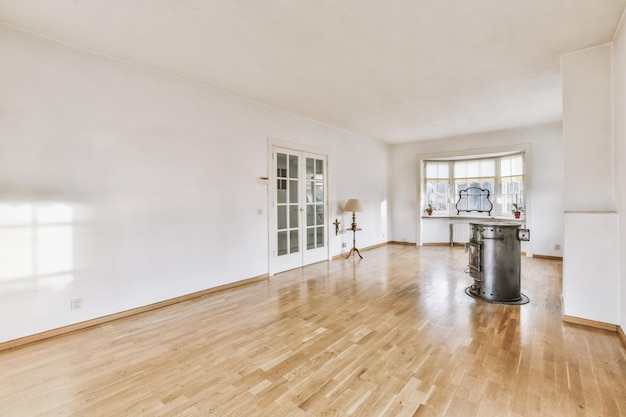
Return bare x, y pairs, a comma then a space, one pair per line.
391, 335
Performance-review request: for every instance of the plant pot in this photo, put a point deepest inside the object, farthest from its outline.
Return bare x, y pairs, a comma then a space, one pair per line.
430, 212
517, 214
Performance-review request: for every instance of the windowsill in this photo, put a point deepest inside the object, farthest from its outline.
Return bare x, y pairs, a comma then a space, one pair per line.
475, 217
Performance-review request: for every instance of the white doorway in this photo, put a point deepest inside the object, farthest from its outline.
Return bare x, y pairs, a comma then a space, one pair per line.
298, 209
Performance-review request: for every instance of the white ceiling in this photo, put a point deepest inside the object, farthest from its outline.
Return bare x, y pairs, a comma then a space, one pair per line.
394, 70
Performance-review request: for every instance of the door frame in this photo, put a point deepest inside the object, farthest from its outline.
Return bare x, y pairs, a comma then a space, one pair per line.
295, 147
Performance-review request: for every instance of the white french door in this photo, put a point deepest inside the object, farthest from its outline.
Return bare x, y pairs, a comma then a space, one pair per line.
298, 209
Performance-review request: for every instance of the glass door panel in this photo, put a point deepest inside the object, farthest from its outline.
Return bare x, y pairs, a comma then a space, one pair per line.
315, 208
287, 204
282, 243
298, 219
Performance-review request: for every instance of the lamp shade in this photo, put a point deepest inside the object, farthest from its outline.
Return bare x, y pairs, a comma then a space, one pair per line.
354, 205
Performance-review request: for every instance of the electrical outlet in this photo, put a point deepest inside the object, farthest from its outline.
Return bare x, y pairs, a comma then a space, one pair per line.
343, 245
557, 247
76, 303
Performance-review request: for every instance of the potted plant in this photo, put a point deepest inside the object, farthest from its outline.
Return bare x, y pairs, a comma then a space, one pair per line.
517, 210
429, 209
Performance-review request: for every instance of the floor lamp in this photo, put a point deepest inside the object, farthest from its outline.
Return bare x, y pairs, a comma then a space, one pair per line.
354, 205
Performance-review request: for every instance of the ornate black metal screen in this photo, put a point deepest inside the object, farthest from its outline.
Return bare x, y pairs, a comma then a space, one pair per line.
474, 199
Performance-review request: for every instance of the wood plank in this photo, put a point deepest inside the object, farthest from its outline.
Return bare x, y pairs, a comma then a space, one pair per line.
390, 335
591, 323
111, 317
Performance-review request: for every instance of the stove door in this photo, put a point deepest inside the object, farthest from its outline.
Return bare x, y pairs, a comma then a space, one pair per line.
475, 270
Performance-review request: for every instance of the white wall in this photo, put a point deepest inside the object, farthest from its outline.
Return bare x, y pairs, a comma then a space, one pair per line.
588, 130
590, 261
150, 181
544, 201
590, 267
435, 230
619, 112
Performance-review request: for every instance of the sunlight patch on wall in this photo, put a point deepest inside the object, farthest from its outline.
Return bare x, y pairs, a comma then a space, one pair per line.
36, 246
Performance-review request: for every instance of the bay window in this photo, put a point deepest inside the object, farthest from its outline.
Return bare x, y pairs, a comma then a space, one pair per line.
503, 176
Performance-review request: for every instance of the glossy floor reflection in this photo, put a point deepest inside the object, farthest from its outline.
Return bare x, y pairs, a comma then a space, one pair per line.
390, 335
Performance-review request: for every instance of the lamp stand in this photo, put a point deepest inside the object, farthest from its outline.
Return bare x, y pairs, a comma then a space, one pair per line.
354, 230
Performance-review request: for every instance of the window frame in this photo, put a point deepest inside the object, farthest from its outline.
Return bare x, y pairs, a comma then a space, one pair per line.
497, 197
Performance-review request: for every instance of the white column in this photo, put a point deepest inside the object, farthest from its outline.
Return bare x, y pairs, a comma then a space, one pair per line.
591, 242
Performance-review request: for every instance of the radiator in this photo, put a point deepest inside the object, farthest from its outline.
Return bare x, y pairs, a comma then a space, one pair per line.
460, 233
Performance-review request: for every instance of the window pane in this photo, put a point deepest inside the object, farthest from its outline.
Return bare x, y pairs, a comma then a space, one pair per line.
294, 243
487, 168
282, 243
310, 215
437, 170
293, 166
293, 191
309, 191
512, 192
443, 170
310, 238
281, 165
319, 169
310, 169
488, 185
320, 237
293, 216
320, 214
431, 170
473, 168
319, 192
437, 195
505, 167
517, 165
281, 191
282, 217
513, 165
460, 169
512, 184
